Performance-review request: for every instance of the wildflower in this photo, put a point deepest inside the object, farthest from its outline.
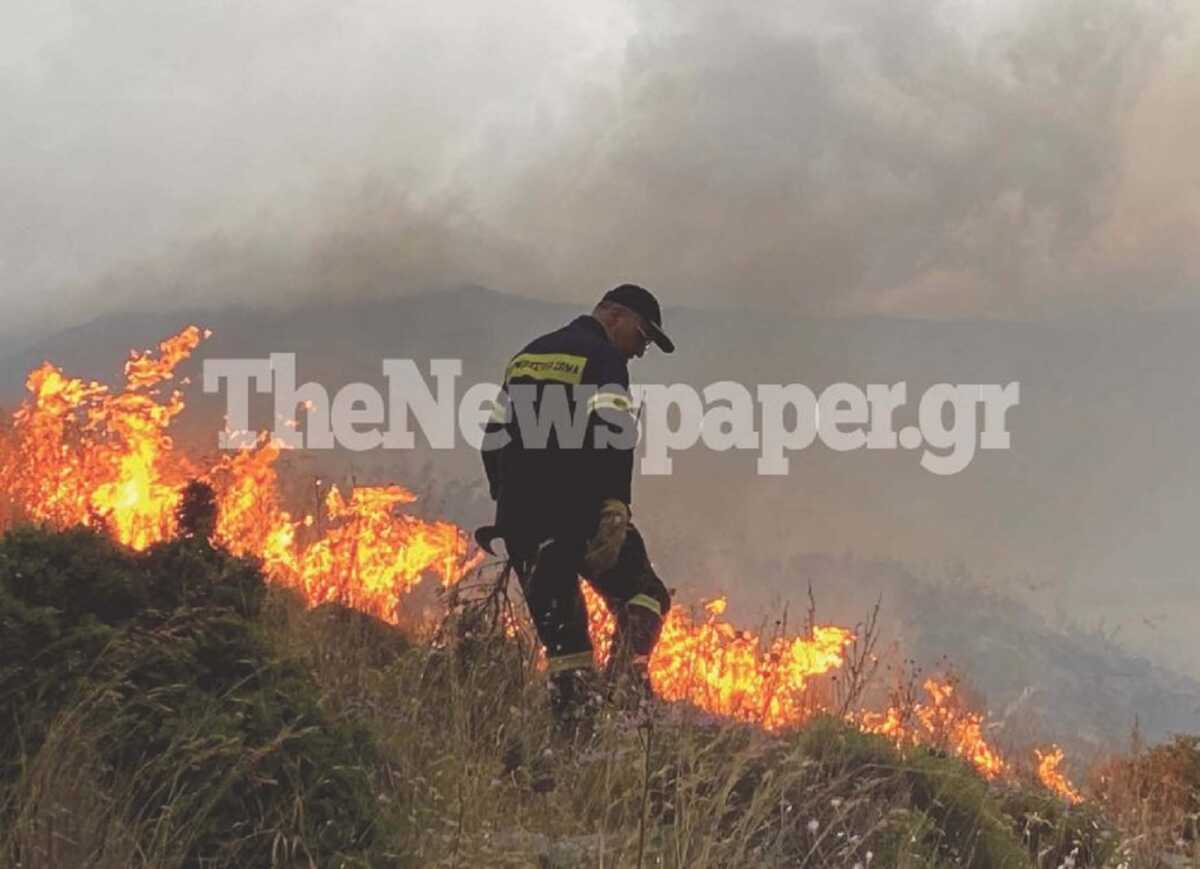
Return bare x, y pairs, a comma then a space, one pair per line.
814, 825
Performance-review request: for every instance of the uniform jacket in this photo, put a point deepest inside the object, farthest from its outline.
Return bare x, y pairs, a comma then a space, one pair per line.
563, 435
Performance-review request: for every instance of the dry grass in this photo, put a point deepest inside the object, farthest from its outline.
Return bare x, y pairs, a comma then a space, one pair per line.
1153, 796
468, 771
474, 774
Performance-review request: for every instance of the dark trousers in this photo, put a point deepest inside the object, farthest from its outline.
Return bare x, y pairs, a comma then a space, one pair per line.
549, 576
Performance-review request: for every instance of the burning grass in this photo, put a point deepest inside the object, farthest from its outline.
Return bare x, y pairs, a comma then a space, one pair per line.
762, 753
176, 710
79, 453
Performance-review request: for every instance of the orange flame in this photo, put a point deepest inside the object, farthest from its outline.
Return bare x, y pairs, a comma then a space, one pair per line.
943, 723
731, 672
77, 453
80, 454
1049, 772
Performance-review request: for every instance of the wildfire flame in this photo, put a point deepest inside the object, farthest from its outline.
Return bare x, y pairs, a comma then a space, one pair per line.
79, 453
1050, 774
944, 722
732, 672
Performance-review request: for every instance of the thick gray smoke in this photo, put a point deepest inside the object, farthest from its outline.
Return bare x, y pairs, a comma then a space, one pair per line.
1025, 158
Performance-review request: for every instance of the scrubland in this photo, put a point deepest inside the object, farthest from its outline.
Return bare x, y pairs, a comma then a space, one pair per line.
171, 708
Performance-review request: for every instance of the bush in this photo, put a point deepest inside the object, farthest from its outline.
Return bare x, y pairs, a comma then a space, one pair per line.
942, 810
208, 742
1053, 830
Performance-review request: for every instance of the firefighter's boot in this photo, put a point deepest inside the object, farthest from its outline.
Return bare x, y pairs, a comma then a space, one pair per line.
628, 672
574, 702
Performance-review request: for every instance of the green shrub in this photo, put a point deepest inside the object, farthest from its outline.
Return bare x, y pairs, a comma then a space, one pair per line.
942, 810
1053, 830
218, 747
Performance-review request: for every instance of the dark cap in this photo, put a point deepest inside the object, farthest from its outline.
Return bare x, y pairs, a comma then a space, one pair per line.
642, 301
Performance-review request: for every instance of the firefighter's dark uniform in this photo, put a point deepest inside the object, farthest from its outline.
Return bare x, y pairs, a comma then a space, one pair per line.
549, 493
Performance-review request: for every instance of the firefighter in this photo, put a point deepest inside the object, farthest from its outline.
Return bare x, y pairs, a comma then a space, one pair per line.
559, 461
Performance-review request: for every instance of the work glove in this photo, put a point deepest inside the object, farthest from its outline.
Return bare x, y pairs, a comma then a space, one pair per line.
605, 546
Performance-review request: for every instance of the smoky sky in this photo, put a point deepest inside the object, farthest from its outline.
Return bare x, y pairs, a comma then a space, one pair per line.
1023, 158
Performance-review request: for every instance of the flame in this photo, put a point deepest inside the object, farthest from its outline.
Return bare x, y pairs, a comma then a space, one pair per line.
716, 606
944, 723
143, 370
370, 556
730, 672
734, 673
78, 453
1050, 774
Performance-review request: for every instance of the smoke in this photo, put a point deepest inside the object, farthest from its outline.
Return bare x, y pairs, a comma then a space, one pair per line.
942, 159
871, 156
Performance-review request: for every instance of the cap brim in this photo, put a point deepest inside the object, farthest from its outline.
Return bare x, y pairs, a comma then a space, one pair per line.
659, 337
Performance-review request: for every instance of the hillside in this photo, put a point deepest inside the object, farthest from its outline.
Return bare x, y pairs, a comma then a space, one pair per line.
208, 719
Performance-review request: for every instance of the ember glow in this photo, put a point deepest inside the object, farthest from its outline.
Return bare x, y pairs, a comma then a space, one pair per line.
78, 453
